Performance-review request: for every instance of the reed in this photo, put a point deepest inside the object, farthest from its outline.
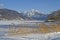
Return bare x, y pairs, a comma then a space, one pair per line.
43, 28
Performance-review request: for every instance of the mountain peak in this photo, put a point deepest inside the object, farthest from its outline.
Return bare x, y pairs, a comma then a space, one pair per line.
33, 15
31, 12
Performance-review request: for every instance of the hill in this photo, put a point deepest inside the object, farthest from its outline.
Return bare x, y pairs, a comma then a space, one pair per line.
7, 14
54, 16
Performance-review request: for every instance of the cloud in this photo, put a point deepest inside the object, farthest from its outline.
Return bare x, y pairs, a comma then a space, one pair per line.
1, 6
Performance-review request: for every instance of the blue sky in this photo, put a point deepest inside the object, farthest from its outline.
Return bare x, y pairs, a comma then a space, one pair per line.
45, 6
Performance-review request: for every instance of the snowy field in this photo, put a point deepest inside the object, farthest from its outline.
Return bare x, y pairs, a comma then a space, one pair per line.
4, 32
16, 22
49, 36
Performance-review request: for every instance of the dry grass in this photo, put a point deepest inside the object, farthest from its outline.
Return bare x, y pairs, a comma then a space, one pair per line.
55, 28
51, 28
43, 28
22, 31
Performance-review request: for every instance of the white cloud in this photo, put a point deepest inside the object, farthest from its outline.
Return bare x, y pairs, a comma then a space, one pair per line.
1, 6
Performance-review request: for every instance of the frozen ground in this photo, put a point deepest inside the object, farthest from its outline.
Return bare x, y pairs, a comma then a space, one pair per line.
49, 36
16, 22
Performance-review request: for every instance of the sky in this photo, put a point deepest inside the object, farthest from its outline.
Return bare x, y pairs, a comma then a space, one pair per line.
45, 6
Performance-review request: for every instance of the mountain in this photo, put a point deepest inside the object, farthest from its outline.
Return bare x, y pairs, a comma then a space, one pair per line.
7, 14
33, 15
54, 16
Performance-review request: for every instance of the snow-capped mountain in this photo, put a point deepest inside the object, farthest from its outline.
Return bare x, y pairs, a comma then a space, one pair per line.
33, 15
31, 12
25, 15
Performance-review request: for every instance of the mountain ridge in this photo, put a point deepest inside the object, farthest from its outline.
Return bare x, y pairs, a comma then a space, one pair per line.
54, 16
8, 14
33, 15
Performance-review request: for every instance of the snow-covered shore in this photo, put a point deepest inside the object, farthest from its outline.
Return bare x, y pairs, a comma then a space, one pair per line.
16, 22
4, 32
48, 36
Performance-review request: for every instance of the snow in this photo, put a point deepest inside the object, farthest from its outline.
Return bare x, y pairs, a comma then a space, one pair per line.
31, 12
16, 22
48, 36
